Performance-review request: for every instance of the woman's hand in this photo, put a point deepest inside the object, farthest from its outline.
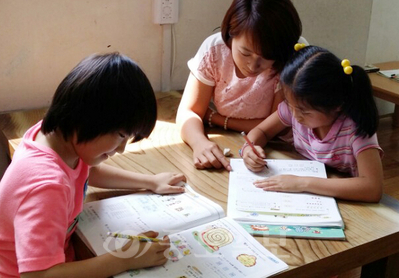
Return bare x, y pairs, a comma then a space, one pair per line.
282, 183
207, 154
168, 183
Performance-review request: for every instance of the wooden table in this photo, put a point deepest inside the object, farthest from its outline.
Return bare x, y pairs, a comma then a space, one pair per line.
372, 230
387, 89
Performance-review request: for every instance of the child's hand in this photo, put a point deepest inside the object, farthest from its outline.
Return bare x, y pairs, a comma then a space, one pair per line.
254, 162
145, 254
283, 183
168, 183
207, 154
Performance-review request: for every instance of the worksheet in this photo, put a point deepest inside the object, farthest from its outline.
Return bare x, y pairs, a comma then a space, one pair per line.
249, 204
242, 179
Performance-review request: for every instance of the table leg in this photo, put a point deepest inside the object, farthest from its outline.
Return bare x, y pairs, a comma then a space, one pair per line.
395, 116
384, 268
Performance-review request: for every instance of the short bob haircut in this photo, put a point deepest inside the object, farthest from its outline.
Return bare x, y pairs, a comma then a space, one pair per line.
104, 93
273, 25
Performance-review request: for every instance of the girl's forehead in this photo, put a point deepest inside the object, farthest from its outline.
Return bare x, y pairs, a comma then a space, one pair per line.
292, 101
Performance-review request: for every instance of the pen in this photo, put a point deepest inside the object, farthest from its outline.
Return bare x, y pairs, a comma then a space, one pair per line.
251, 145
140, 238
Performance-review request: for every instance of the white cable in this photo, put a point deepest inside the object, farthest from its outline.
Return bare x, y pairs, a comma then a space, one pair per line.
173, 51
166, 57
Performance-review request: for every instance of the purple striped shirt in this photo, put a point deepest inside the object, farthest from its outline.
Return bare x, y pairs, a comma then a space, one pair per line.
338, 149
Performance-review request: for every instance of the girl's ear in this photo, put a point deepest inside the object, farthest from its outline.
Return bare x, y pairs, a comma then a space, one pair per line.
335, 112
74, 138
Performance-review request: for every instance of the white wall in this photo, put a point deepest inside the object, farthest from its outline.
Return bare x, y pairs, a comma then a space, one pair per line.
383, 42
41, 40
341, 26
197, 20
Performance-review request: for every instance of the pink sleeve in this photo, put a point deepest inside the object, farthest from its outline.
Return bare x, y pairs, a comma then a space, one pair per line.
40, 225
360, 144
201, 67
284, 114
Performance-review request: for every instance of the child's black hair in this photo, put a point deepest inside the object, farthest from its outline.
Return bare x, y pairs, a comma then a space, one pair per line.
316, 77
103, 94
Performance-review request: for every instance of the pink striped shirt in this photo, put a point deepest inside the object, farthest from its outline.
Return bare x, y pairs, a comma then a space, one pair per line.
338, 149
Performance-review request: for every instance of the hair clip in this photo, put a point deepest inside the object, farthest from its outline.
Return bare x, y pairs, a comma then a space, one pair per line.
299, 46
346, 64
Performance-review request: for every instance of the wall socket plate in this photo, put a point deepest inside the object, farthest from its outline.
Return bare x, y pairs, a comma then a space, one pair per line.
165, 11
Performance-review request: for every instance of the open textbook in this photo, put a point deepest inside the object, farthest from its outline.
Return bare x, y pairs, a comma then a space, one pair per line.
278, 213
204, 243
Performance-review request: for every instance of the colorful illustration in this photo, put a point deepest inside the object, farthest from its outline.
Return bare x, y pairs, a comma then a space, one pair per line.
182, 247
301, 229
214, 238
295, 231
247, 260
173, 256
259, 227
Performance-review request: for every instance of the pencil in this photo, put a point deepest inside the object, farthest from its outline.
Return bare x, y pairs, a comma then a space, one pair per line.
251, 145
140, 238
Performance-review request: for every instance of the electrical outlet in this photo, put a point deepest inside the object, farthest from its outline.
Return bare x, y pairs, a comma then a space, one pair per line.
165, 11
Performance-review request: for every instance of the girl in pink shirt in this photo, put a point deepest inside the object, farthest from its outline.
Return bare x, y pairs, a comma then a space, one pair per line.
334, 119
102, 103
238, 70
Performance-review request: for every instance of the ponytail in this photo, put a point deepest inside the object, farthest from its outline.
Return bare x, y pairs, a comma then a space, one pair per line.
360, 105
315, 76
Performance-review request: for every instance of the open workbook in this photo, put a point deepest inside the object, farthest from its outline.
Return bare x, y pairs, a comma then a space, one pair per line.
204, 243
278, 213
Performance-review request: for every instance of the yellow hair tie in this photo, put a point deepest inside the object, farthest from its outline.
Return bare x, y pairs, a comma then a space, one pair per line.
346, 64
299, 46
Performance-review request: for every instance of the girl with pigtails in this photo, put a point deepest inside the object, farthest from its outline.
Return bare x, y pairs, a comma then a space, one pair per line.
334, 119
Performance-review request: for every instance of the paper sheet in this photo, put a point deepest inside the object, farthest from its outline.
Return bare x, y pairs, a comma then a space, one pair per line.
251, 204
